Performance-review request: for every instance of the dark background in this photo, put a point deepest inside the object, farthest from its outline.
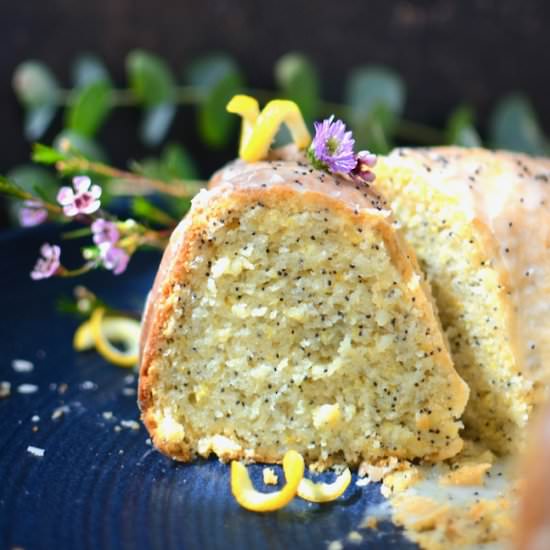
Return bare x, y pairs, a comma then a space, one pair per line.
447, 51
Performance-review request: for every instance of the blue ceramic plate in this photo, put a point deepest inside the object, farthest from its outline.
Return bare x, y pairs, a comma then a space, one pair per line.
100, 485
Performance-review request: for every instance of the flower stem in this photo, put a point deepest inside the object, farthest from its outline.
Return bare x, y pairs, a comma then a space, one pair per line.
176, 188
67, 273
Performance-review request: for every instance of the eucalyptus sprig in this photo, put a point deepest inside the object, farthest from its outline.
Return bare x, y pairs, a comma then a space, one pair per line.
373, 104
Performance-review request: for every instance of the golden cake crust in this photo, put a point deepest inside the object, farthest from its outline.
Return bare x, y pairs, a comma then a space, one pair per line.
273, 183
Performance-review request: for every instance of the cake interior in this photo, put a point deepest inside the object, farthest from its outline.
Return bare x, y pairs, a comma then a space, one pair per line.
295, 329
469, 296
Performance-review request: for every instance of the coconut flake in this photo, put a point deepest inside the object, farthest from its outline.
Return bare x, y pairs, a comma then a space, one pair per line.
35, 451
22, 365
27, 388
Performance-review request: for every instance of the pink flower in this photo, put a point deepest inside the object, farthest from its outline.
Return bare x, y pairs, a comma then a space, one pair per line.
365, 161
114, 258
105, 232
83, 200
32, 213
48, 264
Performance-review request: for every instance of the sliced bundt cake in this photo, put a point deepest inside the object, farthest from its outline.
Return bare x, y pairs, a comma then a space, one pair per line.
288, 314
480, 225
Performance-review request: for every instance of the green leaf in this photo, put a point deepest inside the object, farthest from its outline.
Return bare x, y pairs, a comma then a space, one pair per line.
219, 79
461, 129
178, 164
10, 189
76, 144
298, 79
156, 123
88, 69
150, 78
90, 108
146, 210
37, 89
514, 126
376, 96
46, 155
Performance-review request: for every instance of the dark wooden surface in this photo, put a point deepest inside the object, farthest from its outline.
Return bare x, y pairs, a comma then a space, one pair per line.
448, 51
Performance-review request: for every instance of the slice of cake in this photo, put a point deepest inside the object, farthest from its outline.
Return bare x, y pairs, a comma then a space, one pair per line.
480, 224
287, 313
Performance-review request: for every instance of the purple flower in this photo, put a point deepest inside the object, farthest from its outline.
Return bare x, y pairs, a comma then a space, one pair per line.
83, 200
113, 258
48, 264
32, 213
365, 161
332, 147
104, 231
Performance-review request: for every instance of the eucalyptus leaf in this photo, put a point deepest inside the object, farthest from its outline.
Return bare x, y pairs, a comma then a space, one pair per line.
299, 81
376, 96
178, 164
87, 69
218, 78
90, 108
514, 126
35, 85
10, 189
146, 210
69, 140
38, 120
33, 179
461, 129
174, 163
150, 78
156, 122
36, 88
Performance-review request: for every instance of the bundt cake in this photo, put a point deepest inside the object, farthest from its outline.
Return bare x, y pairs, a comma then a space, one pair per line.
480, 225
288, 313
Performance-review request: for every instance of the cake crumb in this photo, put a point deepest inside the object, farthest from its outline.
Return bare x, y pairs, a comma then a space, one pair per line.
376, 471
355, 537
59, 412
130, 424
128, 392
35, 418
88, 385
27, 389
335, 545
469, 474
35, 451
270, 477
5, 389
371, 522
107, 415
22, 365
62, 388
